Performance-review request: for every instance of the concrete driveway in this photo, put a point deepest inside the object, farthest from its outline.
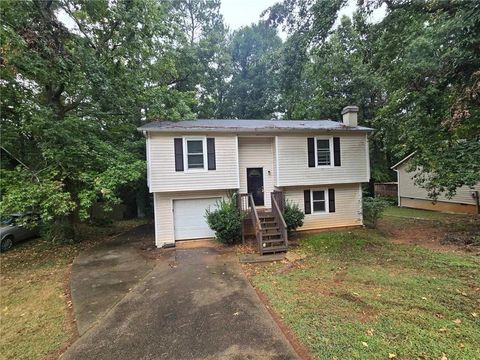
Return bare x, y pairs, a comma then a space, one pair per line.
103, 275
193, 304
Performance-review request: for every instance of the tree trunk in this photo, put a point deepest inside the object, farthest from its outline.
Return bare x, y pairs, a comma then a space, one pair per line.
140, 198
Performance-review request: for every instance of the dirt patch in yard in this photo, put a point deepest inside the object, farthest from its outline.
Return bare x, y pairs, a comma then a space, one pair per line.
450, 234
421, 233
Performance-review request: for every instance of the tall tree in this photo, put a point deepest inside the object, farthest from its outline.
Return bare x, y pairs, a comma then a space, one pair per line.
253, 90
206, 61
415, 75
72, 98
429, 55
309, 24
340, 73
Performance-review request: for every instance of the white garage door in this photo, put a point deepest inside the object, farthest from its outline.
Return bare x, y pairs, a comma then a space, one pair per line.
189, 218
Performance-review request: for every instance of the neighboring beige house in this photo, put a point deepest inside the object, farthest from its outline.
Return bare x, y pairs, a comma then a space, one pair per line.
413, 196
319, 164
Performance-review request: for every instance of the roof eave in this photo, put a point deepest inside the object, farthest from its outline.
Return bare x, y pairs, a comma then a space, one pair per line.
246, 130
402, 161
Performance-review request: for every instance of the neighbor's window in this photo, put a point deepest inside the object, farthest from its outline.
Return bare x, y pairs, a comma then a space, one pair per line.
195, 156
319, 201
323, 152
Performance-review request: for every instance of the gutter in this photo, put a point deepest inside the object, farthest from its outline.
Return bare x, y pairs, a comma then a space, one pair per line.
247, 130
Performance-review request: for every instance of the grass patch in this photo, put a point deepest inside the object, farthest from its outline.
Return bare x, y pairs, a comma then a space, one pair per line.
421, 214
34, 309
357, 296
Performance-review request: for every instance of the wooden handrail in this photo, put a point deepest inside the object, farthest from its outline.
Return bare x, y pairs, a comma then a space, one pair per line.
276, 211
250, 204
246, 204
279, 197
256, 223
255, 218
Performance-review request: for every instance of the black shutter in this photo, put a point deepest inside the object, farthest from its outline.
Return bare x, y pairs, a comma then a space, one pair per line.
331, 200
178, 154
311, 152
306, 200
211, 154
336, 151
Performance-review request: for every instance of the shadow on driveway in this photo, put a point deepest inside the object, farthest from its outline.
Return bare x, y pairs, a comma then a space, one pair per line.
193, 304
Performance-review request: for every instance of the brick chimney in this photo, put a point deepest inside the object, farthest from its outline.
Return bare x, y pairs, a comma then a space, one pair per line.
350, 114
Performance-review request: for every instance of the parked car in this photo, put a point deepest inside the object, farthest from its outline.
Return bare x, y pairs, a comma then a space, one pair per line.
12, 231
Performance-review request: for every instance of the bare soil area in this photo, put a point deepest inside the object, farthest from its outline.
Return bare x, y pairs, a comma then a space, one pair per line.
451, 233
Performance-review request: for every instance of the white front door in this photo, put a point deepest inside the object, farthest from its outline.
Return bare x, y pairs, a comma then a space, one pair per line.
189, 218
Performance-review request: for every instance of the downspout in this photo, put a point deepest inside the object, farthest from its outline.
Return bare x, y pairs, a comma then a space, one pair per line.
398, 188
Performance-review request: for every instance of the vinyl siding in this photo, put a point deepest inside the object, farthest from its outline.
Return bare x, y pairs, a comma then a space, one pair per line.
442, 206
348, 206
293, 167
163, 208
147, 143
163, 176
275, 160
408, 189
257, 152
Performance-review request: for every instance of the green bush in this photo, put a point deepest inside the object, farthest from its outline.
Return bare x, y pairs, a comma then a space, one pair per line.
101, 222
226, 220
293, 216
372, 210
391, 200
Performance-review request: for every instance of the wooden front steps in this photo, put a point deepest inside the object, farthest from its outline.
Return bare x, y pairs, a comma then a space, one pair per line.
272, 240
267, 225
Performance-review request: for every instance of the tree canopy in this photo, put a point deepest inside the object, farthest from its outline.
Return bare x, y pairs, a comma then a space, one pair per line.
72, 98
254, 51
414, 75
78, 78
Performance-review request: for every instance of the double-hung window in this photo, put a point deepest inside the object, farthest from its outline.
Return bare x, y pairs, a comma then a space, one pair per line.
323, 151
195, 153
319, 201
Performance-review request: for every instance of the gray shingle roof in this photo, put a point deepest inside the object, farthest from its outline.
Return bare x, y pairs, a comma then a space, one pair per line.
233, 125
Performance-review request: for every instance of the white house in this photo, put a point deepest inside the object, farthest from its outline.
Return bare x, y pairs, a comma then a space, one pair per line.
319, 164
413, 196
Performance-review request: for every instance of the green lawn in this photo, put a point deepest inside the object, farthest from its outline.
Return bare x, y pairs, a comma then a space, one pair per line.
420, 214
34, 314
357, 296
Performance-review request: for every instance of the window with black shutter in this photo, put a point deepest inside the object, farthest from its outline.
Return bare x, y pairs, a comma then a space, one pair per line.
324, 154
331, 200
178, 146
195, 154
321, 151
311, 152
211, 154
307, 204
319, 201
336, 152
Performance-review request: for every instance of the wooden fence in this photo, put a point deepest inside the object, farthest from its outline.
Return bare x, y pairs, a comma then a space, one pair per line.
386, 189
